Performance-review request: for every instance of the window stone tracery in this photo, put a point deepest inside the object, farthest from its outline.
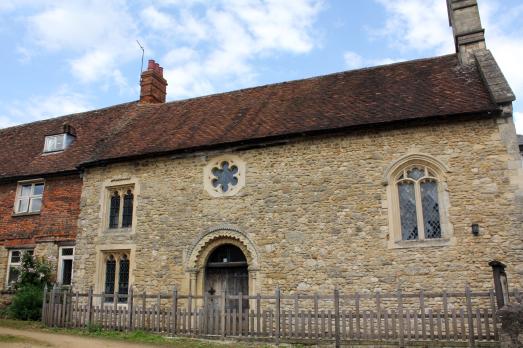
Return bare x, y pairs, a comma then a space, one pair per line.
224, 176
418, 202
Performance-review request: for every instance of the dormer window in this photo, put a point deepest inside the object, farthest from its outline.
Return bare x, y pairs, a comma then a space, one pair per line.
57, 142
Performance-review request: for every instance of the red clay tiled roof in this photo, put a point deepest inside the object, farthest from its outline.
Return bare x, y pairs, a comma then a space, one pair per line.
410, 90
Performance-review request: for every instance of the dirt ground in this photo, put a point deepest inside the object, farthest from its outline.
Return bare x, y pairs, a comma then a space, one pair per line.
14, 338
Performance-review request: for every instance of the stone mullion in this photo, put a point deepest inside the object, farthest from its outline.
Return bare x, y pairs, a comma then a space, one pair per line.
121, 195
116, 273
419, 210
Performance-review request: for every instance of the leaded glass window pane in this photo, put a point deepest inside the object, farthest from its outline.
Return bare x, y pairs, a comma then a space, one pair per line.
127, 216
16, 256
114, 210
110, 270
416, 173
224, 176
123, 278
429, 201
407, 200
67, 251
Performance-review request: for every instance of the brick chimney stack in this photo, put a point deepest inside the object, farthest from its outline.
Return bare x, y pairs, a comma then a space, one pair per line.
153, 87
469, 35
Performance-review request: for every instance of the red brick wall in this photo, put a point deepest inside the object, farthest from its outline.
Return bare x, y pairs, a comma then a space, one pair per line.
57, 220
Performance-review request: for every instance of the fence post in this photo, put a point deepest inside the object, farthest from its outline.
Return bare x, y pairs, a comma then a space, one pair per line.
189, 309
337, 317
469, 317
357, 313
130, 308
90, 306
277, 296
378, 314
258, 313
174, 311
144, 305
400, 319
422, 309
316, 319
44, 304
51, 305
158, 310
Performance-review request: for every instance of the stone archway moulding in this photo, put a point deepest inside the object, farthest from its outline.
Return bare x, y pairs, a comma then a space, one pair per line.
218, 235
415, 158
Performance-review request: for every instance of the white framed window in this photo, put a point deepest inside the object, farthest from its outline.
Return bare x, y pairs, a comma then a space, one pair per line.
65, 265
57, 142
13, 264
29, 197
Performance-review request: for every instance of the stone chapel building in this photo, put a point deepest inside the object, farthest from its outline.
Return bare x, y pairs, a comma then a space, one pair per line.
406, 175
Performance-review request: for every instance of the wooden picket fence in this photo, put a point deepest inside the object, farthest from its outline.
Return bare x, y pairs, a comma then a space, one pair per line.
467, 317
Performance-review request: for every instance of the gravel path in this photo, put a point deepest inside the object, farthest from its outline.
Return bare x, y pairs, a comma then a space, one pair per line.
14, 338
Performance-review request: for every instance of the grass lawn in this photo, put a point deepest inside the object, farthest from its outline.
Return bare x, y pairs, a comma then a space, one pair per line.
134, 336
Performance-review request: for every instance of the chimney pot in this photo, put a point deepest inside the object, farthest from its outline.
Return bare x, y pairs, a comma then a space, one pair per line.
153, 87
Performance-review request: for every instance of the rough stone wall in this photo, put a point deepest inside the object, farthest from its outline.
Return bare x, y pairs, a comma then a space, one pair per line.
316, 211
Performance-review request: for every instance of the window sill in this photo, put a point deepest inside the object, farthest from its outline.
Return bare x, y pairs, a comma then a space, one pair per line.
123, 230
25, 214
427, 243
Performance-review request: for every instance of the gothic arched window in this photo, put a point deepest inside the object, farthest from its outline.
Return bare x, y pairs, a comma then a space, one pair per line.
127, 215
110, 272
116, 276
114, 210
123, 278
121, 207
418, 204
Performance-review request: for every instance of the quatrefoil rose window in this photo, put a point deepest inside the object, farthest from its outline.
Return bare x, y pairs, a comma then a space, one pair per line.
224, 176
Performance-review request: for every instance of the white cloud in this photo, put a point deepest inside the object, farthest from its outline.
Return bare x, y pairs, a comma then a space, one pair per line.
99, 34
352, 60
58, 103
217, 46
420, 25
506, 45
356, 61
518, 120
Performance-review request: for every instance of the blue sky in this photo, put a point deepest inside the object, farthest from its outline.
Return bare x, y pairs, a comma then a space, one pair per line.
61, 57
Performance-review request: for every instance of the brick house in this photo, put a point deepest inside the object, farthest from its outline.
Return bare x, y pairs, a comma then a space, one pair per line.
406, 174
40, 189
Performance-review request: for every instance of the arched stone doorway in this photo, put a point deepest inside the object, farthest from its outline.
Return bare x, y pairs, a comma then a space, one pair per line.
226, 272
200, 252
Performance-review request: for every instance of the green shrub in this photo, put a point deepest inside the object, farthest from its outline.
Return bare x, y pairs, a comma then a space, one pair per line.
34, 275
33, 272
27, 303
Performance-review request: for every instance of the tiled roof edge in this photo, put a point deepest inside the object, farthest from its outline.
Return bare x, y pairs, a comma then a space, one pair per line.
493, 77
273, 140
86, 113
